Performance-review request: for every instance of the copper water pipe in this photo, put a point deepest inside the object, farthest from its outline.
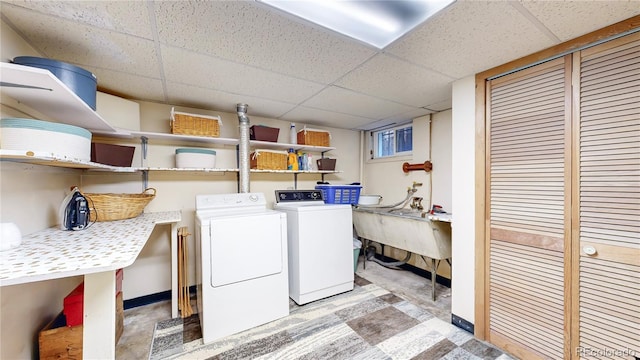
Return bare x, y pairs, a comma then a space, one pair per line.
427, 166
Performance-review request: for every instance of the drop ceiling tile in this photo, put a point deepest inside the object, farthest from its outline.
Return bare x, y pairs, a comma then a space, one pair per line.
204, 71
196, 97
440, 105
471, 36
249, 33
85, 45
318, 117
137, 87
394, 79
130, 17
341, 100
570, 19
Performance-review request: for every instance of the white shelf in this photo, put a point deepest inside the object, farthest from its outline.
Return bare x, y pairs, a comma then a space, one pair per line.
295, 171
174, 137
51, 159
41, 90
275, 145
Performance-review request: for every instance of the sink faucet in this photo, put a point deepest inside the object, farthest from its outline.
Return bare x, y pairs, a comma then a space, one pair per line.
412, 189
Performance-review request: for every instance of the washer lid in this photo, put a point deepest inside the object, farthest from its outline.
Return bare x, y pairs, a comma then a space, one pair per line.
289, 196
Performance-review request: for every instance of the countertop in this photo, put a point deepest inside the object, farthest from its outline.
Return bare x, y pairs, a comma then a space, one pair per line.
104, 246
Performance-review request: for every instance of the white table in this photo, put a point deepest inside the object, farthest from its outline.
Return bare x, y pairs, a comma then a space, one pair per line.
96, 252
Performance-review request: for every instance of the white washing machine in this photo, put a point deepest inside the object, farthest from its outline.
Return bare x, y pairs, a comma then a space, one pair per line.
320, 240
241, 263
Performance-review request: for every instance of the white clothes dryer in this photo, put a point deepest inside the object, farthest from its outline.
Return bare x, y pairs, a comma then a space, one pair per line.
320, 241
241, 263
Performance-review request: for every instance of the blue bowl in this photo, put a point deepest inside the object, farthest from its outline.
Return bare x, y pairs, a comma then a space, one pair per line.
82, 82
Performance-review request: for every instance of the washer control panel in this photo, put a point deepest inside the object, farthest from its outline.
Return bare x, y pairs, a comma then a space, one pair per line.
299, 195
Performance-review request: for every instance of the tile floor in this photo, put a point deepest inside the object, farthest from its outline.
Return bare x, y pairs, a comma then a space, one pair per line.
139, 322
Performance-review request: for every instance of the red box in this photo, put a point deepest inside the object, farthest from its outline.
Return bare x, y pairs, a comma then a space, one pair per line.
73, 308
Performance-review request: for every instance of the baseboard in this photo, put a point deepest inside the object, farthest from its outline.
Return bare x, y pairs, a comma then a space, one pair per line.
462, 323
418, 271
153, 298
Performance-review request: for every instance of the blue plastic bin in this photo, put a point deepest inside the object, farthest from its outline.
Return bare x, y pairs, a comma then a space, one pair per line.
340, 194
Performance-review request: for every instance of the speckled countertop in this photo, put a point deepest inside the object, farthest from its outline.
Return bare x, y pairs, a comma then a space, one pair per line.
53, 253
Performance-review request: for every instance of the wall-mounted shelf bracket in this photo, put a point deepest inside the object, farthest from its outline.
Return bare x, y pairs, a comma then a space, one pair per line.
145, 179
144, 143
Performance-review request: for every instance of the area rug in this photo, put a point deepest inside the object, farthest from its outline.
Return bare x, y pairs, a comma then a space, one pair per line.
368, 322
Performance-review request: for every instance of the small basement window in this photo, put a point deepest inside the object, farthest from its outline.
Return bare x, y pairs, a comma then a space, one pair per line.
397, 141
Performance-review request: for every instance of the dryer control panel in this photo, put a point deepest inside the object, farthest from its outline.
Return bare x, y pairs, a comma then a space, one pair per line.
222, 201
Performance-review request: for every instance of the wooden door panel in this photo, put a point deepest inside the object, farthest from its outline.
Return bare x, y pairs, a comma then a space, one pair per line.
608, 210
527, 210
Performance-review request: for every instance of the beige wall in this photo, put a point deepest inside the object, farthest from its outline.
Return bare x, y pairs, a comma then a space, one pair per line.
431, 141
463, 199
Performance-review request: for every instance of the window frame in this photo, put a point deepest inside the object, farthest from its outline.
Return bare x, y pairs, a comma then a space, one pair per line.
373, 143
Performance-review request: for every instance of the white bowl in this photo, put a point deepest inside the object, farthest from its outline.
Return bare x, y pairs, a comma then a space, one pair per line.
192, 158
369, 199
31, 135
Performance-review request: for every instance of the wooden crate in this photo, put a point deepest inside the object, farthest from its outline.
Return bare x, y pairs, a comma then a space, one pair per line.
59, 341
314, 137
194, 124
268, 160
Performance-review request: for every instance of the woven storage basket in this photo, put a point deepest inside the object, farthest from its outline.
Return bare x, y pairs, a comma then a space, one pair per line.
268, 160
314, 137
192, 124
109, 207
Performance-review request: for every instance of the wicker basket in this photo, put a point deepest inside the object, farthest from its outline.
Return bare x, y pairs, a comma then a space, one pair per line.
109, 207
268, 160
314, 137
192, 124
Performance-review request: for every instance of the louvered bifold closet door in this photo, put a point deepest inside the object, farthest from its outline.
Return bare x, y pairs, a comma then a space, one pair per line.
609, 200
528, 115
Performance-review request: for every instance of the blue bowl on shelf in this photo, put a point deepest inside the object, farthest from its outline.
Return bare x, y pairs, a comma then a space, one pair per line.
82, 82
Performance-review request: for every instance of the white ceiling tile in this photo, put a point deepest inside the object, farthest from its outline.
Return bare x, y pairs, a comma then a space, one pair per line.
391, 78
471, 36
247, 32
130, 17
349, 102
85, 45
570, 19
205, 71
128, 85
325, 118
439, 106
201, 98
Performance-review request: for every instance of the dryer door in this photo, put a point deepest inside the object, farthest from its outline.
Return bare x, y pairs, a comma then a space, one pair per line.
245, 247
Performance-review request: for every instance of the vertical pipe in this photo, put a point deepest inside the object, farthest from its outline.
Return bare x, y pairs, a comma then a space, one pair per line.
243, 149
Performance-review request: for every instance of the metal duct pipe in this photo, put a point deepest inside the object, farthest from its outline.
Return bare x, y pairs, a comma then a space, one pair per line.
243, 149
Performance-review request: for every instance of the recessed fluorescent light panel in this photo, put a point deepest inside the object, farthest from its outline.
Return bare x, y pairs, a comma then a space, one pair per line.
375, 22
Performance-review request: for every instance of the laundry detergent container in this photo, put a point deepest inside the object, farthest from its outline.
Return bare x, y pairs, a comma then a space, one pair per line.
31, 137
82, 82
195, 158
